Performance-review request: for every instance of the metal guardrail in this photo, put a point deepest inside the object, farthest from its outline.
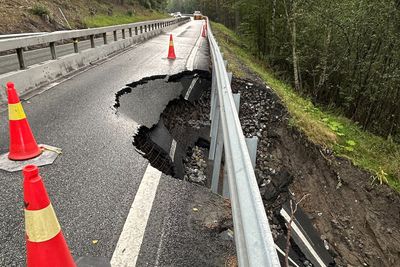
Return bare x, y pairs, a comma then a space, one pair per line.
19, 44
17, 35
254, 243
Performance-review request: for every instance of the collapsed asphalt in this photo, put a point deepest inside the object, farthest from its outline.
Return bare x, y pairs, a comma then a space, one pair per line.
152, 137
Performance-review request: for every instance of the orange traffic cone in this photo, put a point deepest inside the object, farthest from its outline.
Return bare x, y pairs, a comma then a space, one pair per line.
45, 243
22, 143
171, 51
204, 34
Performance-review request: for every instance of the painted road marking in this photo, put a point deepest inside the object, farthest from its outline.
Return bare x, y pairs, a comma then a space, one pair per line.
296, 229
283, 254
160, 244
173, 148
189, 91
193, 53
127, 250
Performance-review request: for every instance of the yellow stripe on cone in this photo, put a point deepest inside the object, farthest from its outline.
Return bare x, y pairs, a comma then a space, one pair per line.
16, 112
41, 225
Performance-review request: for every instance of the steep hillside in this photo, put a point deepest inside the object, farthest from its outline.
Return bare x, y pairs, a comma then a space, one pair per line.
46, 15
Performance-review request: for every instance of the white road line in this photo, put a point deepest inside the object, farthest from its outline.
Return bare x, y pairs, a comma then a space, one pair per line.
127, 250
172, 151
189, 91
284, 254
296, 229
193, 53
160, 244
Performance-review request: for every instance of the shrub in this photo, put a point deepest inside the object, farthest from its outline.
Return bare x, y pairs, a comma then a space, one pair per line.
129, 13
40, 10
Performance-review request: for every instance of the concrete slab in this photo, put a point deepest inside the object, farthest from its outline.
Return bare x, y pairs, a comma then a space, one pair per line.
48, 156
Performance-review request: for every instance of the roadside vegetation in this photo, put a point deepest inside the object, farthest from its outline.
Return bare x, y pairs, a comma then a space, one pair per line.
121, 18
344, 54
324, 126
47, 15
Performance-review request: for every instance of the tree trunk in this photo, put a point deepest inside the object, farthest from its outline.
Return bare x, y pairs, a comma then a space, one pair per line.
295, 59
273, 28
324, 64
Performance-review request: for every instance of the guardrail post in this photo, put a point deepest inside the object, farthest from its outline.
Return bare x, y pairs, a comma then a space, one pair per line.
115, 36
213, 93
123, 33
76, 48
130, 32
214, 131
252, 144
21, 60
136, 31
230, 75
92, 43
225, 186
53, 50
141, 29
145, 28
217, 161
105, 37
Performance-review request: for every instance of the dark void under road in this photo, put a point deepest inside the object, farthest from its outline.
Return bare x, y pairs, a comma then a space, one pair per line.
94, 182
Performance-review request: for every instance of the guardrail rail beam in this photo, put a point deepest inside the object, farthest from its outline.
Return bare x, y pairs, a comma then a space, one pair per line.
254, 243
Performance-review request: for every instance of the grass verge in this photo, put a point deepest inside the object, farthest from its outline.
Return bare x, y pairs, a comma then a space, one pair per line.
121, 18
379, 156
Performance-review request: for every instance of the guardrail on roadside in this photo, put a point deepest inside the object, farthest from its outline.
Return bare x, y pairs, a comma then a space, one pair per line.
17, 35
20, 43
254, 243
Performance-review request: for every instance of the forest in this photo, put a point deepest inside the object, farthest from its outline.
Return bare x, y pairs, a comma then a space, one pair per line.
343, 55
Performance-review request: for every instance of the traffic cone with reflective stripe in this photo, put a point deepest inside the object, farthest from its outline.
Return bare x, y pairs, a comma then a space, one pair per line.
45, 243
22, 143
171, 51
204, 34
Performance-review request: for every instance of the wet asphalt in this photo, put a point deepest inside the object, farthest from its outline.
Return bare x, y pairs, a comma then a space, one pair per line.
93, 182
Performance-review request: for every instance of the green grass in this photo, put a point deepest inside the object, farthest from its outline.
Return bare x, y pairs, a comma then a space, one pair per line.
40, 10
120, 18
379, 156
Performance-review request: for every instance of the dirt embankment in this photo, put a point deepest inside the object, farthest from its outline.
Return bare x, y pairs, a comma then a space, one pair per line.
357, 218
48, 15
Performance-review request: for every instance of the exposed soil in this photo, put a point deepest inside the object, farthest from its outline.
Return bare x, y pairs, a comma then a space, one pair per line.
17, 16
358, 219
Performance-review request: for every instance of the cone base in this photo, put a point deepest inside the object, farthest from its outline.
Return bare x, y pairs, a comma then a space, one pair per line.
51, 253
24, 156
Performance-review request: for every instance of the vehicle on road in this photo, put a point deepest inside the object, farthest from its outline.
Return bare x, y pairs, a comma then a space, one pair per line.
197, 15
178, 15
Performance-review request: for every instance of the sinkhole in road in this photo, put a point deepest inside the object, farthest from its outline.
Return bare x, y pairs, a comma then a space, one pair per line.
172, 114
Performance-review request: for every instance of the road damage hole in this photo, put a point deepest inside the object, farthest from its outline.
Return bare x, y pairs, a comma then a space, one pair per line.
156, 155
173, 123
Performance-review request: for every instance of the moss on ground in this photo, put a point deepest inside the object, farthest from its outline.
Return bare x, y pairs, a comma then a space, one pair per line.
121, 18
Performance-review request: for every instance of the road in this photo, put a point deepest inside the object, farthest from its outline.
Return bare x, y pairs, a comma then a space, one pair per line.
100, 178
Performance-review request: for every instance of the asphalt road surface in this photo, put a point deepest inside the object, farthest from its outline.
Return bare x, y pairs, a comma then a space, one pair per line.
95, 182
